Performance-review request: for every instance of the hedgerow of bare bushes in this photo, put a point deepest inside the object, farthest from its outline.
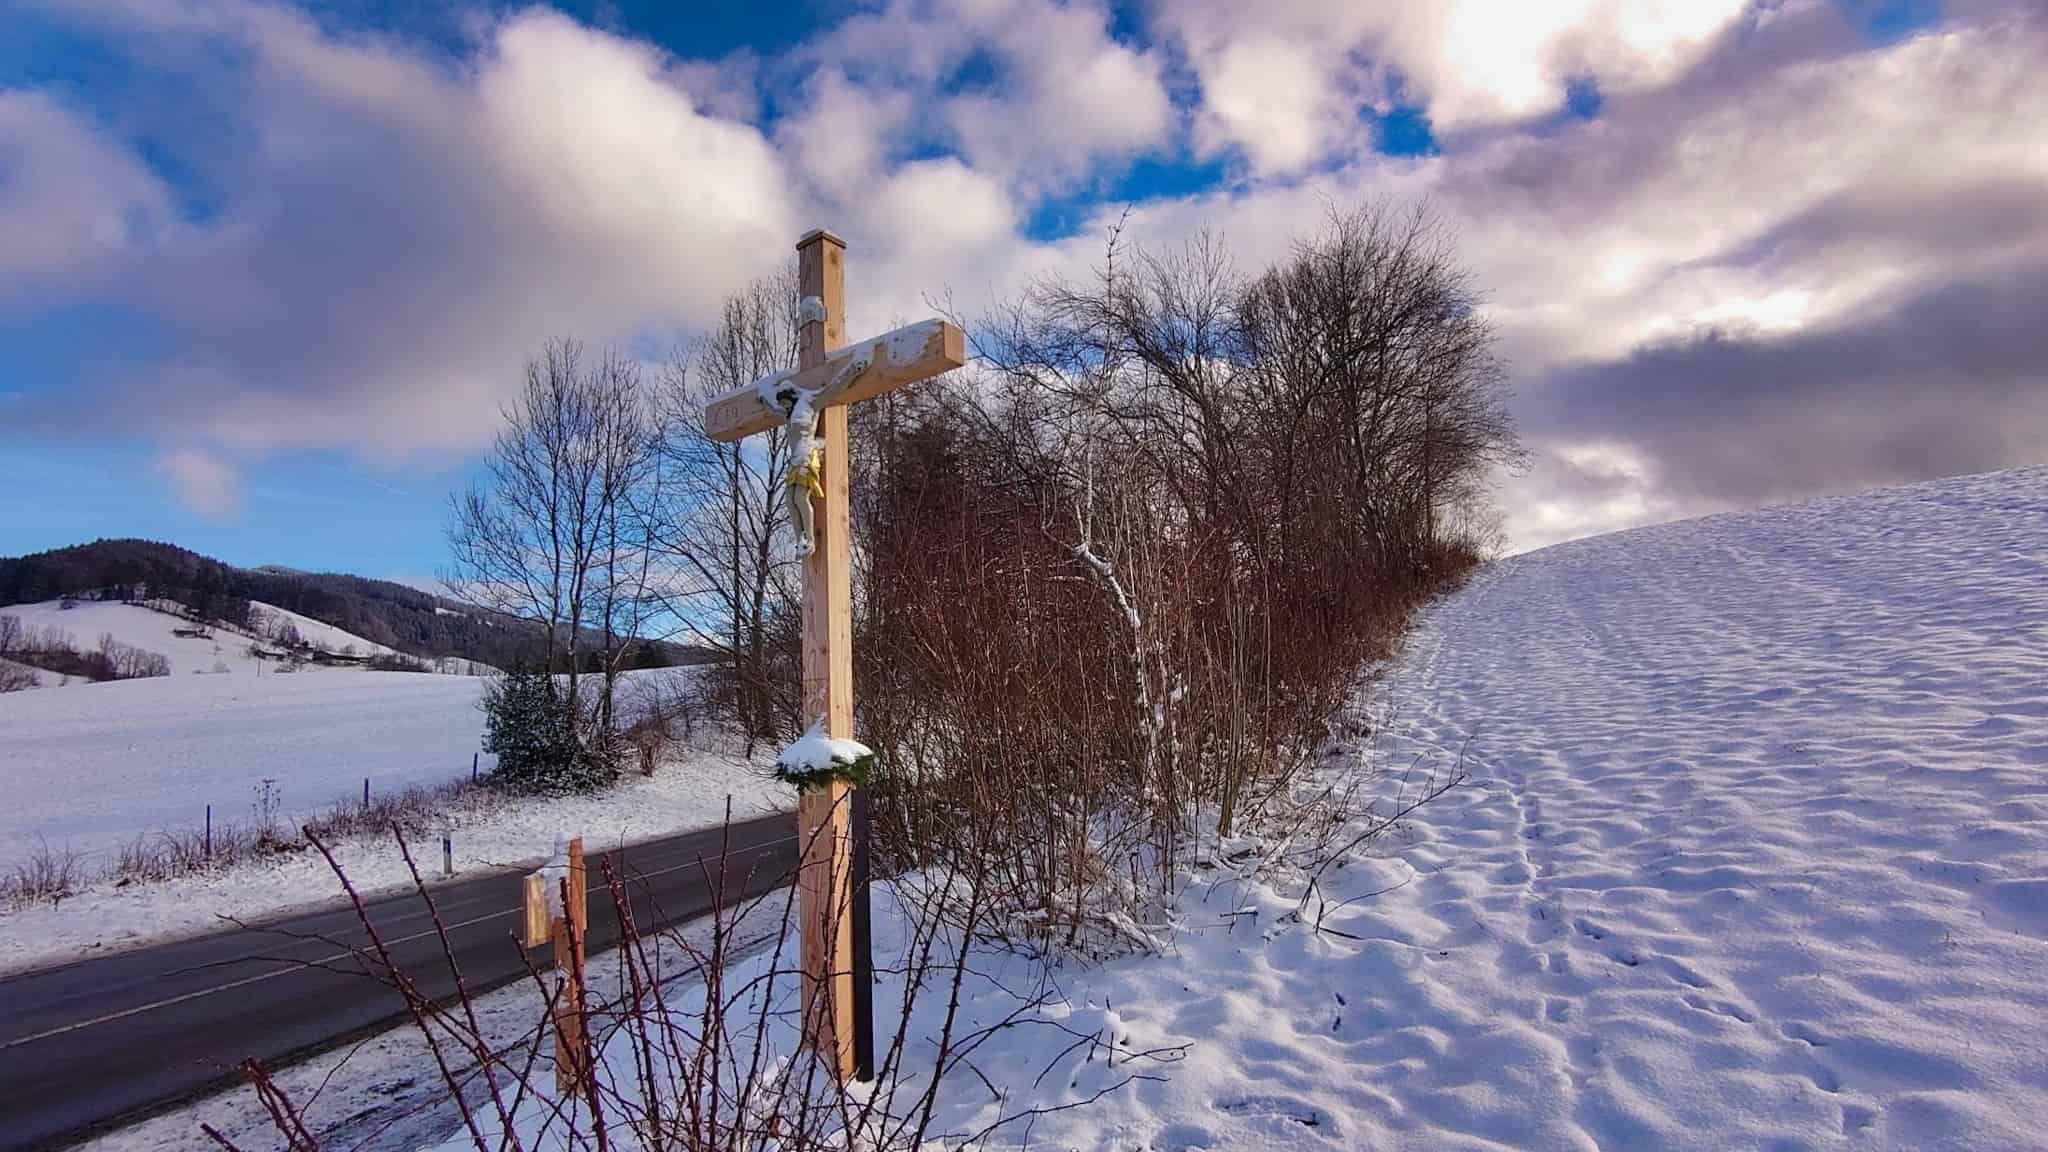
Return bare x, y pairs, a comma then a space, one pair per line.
1114, 581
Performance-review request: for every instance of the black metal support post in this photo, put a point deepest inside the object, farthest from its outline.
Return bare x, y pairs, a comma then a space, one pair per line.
863, 946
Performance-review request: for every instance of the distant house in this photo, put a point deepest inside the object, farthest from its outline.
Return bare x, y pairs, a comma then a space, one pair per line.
193, 632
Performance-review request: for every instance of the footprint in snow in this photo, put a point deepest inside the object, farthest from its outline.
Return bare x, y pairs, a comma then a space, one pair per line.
1285, 1108
1856, 1117
1683, 973
1182, 1137
1805, 1034
1719, 1008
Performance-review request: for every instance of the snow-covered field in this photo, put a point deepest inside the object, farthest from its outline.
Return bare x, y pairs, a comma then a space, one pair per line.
688, 791
96, 766
89, 769
93, 767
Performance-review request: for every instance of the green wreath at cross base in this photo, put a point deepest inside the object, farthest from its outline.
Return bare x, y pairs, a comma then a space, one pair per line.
857, 773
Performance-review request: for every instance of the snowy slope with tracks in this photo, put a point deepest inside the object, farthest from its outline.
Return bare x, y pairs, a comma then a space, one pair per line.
1756, 851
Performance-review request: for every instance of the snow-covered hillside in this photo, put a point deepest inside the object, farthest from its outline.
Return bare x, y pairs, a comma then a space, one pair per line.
1756, 854
221, 652
92, 768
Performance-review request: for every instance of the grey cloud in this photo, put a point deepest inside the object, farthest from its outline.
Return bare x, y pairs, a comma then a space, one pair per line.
1954, 380
1989, 217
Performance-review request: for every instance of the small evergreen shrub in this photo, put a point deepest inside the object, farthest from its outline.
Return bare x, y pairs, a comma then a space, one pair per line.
527, 726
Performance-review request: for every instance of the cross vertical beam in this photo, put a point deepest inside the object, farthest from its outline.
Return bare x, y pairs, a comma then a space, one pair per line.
823, 814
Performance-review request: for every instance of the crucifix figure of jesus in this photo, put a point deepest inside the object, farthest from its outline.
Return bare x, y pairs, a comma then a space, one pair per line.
811, 402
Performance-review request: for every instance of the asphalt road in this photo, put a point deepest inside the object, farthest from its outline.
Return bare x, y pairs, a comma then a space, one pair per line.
93, 1044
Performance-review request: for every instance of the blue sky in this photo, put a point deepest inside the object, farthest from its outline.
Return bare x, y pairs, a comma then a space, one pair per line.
267, 270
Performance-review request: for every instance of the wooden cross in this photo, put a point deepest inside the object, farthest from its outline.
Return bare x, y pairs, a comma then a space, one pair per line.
831, 376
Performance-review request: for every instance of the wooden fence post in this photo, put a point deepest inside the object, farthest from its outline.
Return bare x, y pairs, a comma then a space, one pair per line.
572, 1045
539, 926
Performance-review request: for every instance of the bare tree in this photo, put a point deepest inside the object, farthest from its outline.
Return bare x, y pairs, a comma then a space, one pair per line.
1372, 337
120, 661
555, 531
724, 582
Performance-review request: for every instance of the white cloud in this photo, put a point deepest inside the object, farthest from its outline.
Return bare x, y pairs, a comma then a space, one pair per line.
932, 225
1479, 61
610, 147
1270, 96
1070, 94
72, 202
1286, 81
397, 235
841, 136
201, 482
1582, 489
1053, 93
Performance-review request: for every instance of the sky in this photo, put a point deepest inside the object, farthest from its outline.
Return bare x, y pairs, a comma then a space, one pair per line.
268, 270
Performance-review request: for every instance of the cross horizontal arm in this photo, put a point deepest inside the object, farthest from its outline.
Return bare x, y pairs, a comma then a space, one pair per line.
905, 356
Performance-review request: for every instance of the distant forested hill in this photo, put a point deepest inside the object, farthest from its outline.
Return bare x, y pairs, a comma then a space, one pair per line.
415, 622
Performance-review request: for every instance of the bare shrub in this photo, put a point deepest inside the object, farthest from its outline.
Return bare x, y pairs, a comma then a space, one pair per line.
53, 650
173, 852
659, 713
416, 810
47, 874
141, 861
170, 853
18, 677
